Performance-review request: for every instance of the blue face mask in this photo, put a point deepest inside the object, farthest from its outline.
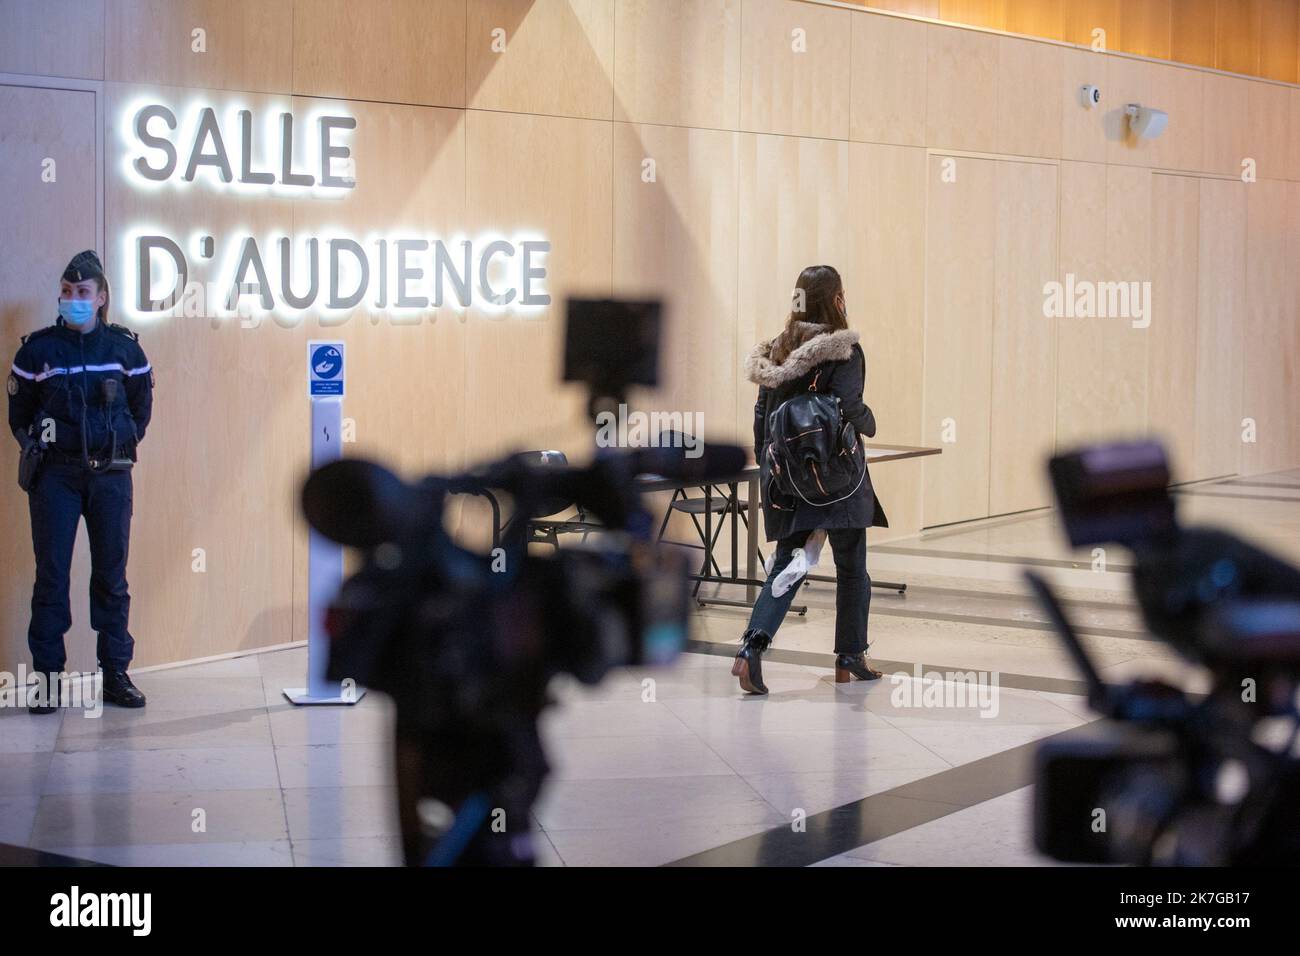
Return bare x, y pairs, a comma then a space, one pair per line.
77, 312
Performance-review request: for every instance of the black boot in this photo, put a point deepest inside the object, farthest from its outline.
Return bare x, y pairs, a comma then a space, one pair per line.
43, 695
749, 662
849, 666
119, 690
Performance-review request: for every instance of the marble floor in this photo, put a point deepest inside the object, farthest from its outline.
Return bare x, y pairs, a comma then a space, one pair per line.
658, 766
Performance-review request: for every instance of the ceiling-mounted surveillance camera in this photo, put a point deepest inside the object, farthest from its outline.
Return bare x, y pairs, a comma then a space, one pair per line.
1145, 122
1090, 95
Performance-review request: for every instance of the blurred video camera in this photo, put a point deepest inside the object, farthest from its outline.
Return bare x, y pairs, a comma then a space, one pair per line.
1168, 777
466, 643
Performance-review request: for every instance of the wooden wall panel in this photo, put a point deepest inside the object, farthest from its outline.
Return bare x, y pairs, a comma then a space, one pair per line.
1269, 342
676, 239
1146, 25
1039, 18
1083, 255
1192, 32
1105, 237
791, 84
791, 216
1029, 102
991, 14
962, 69
1220, 321
1180, 92
53, 38
917, 8
1022, 417
958, 338
888, 95
56, 221
1279, 33
1269, 119
885, 290
399, 51
1122, 349
1237, 27
677, 63
1252, 37
558, 57
553, 176
1226, 123
1172, 353
1084, 17
1083, 129
1293, 137
249, 43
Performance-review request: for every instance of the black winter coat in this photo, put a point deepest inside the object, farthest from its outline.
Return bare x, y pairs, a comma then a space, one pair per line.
59, 373
835, 360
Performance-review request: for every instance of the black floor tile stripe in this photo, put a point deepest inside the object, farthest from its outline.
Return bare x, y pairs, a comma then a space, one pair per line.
873, 818
11, 855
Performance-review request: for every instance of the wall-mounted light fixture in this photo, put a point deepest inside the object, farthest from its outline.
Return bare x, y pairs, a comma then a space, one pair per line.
1146, 122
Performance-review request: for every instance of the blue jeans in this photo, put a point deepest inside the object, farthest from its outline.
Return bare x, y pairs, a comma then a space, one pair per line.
852, 588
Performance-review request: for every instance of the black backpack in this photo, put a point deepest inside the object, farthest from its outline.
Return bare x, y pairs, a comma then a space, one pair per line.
813, 453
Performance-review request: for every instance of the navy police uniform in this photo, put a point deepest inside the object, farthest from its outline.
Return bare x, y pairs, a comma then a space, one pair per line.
88, 398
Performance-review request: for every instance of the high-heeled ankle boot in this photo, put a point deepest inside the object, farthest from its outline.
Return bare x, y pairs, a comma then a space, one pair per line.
849, 666
749, 662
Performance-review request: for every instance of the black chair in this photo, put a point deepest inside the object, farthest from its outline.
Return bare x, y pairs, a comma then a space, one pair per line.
545, 527
717, 502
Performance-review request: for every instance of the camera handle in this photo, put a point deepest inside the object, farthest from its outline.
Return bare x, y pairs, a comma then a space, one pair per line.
1099, 695
1142, 701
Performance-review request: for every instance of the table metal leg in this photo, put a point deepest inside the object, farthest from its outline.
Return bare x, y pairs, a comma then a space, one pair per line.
751, 542
708, 529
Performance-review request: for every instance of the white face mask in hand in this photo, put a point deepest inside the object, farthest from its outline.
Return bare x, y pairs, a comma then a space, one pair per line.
801, 562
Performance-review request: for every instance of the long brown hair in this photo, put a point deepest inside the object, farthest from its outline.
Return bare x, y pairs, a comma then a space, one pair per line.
815, 301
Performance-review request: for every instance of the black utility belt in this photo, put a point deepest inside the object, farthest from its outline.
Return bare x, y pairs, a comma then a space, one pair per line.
96, 463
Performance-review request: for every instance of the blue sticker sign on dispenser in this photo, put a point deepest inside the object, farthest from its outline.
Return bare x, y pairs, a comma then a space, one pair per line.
325, 369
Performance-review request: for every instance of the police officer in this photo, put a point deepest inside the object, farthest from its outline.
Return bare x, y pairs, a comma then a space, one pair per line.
80, 398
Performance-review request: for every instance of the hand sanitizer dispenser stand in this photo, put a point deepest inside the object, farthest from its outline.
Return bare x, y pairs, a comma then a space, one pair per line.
325, 378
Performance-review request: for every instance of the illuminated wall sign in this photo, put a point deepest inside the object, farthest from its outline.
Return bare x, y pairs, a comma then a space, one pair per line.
203, 147
281, 154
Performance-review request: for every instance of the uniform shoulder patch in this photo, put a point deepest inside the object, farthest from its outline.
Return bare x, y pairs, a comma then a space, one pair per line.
11, 386
123, 330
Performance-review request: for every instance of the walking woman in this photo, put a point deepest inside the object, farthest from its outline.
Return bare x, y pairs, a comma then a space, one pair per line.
815, 351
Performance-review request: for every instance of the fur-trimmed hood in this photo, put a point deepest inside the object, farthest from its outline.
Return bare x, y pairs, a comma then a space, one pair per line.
816, 345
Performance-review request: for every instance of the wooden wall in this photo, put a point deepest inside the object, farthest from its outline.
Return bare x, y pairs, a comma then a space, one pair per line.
1254, 37
948, 173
